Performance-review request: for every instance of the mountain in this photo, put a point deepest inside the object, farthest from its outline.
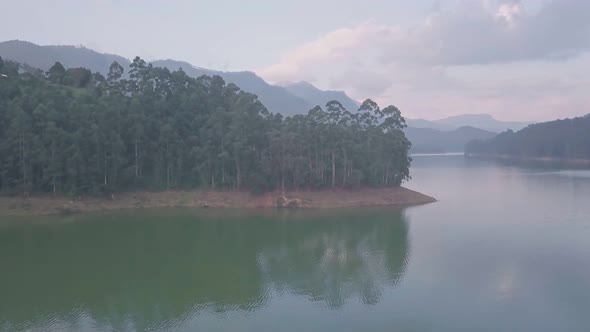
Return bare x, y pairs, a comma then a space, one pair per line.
428, 124
296, 99
275, 98
482, 121
429, 140
43, 57
559, 139
315, 96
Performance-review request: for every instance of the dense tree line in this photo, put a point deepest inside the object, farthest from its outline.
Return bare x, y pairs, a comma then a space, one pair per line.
561, 139
72, 131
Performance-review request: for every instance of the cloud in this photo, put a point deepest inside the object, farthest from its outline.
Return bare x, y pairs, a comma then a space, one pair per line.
393, 63
339, 45
560, 30
509, 12
366, 82
474, 33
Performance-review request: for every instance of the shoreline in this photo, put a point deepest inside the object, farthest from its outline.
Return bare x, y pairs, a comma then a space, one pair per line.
566, 161
324, 199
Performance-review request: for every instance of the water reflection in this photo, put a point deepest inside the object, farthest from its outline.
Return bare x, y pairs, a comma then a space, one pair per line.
158, 269
356, 256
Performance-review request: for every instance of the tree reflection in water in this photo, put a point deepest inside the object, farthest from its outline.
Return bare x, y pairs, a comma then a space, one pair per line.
156, 269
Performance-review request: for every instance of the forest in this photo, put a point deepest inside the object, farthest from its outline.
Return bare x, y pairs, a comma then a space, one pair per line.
73, 132
559, 139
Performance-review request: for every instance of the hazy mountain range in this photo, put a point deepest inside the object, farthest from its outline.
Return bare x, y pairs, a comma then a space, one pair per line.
288, 99
482, 121
43, 57
429, 140
453, 133
558, 139
316, 96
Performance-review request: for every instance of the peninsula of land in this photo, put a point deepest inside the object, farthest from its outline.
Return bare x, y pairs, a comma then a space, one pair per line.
339, 198
149, 137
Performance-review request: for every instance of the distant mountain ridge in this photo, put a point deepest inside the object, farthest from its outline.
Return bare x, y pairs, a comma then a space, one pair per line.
309, 92
560, 139
275, 98
43, 57
430, 140
481, 121
296, 99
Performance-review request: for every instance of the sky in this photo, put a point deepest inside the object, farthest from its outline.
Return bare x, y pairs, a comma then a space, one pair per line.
525, 60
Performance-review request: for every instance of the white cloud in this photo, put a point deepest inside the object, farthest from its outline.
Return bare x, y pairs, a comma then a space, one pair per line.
421, 68
509, 12
339, 45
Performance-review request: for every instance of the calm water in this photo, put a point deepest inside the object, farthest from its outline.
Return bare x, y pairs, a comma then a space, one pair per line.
507, 248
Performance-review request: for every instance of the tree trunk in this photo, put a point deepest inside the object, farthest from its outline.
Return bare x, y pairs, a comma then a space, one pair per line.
296, 177
168, 177
321, 162
167, 167
114, 165
238, 182
105, 168
136, 161
282, 166
222, 163
344, 167
24, 170
53, 170
212, 167
333, 169
282, 176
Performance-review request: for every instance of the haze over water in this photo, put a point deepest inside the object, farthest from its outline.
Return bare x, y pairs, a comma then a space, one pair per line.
506, 248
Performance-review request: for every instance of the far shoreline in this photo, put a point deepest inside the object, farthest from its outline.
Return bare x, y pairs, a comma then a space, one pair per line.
323, 199
565, 161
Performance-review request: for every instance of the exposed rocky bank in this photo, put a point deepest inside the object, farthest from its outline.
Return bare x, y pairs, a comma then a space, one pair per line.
48, 205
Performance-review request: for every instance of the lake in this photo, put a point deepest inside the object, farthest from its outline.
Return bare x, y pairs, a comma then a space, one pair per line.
506, 248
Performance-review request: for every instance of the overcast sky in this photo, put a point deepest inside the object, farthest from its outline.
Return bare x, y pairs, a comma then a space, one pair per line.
516, 60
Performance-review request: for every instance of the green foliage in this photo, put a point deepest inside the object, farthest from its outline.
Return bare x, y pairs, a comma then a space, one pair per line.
564, 139
56, 73
8, 68
77, 77
75, 132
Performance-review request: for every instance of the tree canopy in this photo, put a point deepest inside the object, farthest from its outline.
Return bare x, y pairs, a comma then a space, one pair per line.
560, 139
72, 131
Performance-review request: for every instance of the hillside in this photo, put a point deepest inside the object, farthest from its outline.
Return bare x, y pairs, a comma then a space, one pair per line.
285, 100
315, 96
275, 98
428, 140
559, 139
43, 57
482, 121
